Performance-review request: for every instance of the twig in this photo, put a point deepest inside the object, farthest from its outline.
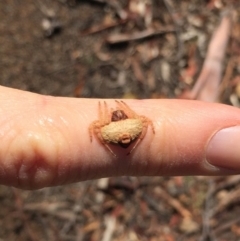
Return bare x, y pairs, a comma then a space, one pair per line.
152, 203
116, 6
207, 213
229, 182
121, 38
47, 12
228, 73
19, 204
206, 87
231, 198
177, 29
225, 226
110, 223
174, 203
101, 27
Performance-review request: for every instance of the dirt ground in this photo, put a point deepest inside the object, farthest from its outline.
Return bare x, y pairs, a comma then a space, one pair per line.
118, 49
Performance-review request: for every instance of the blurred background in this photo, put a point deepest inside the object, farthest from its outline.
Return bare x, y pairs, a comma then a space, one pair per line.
123, 49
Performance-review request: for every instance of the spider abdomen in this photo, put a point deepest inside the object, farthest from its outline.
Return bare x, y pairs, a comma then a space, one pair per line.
115, 132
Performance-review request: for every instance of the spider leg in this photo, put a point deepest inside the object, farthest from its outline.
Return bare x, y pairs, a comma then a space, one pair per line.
145, 122
100, 112
98, 134
134, 147
130, 113
95, 128
91, 129
139, 139
107, 116
148, 122
90, 133
98, 123
109, 149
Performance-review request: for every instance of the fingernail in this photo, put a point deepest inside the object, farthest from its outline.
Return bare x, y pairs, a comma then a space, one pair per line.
224, 149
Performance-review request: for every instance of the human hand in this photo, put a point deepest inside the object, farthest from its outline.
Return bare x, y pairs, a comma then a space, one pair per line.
45, 140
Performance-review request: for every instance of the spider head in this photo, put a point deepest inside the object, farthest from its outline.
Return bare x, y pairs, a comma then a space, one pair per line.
118, 115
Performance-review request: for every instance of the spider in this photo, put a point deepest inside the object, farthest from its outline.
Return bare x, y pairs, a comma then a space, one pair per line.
120, 127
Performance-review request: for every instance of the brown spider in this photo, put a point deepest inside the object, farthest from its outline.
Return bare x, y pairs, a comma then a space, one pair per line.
121, 126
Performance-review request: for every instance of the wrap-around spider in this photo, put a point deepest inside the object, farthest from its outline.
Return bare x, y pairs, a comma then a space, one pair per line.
121, 126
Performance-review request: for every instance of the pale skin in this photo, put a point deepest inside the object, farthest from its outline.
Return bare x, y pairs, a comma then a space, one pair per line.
45, 140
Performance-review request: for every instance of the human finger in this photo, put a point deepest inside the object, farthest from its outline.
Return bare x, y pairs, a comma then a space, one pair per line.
45, 140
